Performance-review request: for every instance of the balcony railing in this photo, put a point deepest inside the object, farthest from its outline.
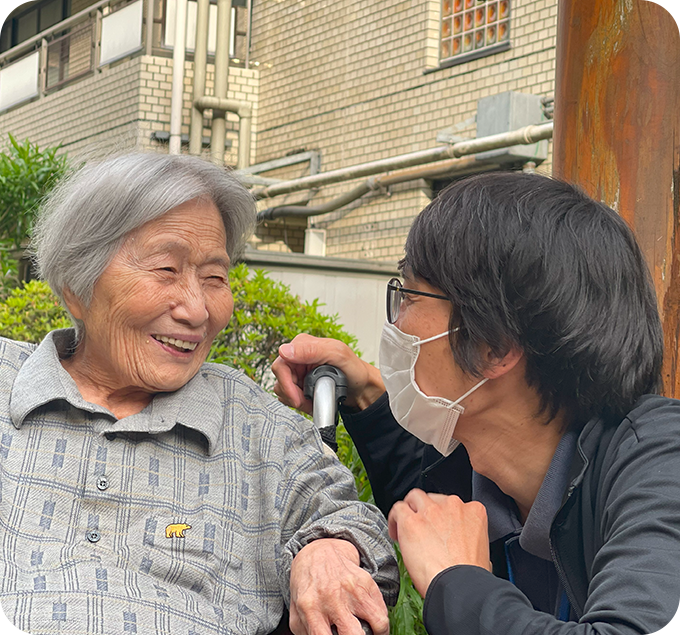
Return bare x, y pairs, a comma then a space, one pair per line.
103, 33
70, 50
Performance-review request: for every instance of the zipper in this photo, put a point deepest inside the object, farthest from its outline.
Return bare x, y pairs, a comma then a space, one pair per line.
424, 472
570, 490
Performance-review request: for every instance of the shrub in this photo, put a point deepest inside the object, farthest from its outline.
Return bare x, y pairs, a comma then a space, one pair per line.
31, 312
266, 315
27, 174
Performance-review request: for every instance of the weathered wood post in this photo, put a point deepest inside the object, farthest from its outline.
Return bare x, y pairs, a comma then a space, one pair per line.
617, 132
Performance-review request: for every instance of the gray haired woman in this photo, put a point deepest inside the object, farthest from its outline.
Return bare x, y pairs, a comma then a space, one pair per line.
143, 489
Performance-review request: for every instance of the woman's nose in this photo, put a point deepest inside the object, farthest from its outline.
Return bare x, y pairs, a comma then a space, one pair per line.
190, 306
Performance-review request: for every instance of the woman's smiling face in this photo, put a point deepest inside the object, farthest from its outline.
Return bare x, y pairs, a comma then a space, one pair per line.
159, 304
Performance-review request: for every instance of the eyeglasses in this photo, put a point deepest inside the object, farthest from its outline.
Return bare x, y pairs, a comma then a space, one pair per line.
395, 296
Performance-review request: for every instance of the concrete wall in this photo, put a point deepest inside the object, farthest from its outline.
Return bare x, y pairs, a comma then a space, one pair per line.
353, 289
347, 77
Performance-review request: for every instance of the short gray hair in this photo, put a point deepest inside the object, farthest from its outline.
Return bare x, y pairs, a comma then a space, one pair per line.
85, 220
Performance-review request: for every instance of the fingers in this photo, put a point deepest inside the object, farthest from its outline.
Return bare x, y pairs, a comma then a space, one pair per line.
306, 352
328, 587
289, 384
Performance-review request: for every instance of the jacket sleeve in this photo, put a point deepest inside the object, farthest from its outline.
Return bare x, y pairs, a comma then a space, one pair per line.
391, 455
317, 499
634, 579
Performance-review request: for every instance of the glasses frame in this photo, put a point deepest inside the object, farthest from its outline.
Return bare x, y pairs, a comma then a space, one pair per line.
395, 285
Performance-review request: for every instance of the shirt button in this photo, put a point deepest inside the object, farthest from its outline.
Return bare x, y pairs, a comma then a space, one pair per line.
102, 483
110, 436
93, 535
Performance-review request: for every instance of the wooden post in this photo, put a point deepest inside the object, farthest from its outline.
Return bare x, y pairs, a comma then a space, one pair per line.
617, 132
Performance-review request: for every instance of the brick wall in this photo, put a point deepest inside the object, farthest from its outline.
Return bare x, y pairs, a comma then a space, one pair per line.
117, 109
347, 77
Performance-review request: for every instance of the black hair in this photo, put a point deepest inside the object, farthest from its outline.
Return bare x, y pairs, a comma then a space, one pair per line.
534, 263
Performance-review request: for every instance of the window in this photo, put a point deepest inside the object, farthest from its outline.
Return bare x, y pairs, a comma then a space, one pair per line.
239, 25
26, 24
472, 29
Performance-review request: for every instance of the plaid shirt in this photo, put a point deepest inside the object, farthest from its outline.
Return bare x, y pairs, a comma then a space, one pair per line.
182, 519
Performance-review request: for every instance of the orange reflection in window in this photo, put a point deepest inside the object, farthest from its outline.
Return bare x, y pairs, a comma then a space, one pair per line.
502, 31
446, 49
446, 28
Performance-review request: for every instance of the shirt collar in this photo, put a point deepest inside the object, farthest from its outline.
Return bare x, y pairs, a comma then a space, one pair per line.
502, 511
42, 379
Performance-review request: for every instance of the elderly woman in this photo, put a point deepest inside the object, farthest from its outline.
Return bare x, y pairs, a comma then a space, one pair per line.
525, 330
143, 490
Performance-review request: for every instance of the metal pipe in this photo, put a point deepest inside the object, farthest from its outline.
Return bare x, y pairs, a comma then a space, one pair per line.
523, 136
244, 127
244, 109
200, 63
219, 121
177, 99
249, 29
149, 27
304, 211
458, 167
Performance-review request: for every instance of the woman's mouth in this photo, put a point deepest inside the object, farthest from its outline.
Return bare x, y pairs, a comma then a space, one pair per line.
181, 346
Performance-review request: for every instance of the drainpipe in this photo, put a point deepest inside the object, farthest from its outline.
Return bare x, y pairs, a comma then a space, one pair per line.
219, 121
244, 110
522, 136
178, 78
200, 62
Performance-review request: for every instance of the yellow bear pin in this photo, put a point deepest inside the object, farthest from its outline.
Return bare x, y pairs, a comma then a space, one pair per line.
177, 530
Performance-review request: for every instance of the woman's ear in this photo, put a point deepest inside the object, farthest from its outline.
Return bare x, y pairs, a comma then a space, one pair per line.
499, 366
73, 304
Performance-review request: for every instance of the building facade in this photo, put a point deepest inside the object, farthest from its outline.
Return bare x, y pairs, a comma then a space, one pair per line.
332, 84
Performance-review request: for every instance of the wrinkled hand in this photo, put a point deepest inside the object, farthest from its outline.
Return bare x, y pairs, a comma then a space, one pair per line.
436, 532
327, 586
305, 353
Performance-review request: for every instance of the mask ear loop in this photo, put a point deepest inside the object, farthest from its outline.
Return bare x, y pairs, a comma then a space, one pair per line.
469, 392
436, 337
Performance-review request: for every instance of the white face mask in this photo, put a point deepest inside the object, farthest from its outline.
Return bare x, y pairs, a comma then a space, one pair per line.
431, 419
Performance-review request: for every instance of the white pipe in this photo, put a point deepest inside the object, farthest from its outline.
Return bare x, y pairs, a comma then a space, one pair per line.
219, 122
522, 136
200, 62
177, 99
244, 110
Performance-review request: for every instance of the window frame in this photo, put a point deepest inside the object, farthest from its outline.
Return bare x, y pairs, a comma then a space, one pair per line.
12, 22
475, 54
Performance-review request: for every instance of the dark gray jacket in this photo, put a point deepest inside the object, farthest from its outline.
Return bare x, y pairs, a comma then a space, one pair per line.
615, 540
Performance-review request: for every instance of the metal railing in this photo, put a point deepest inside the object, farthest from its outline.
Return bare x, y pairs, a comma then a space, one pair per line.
69, 50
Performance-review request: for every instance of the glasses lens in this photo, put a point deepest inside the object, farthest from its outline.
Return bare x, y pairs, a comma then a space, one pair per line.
393, 299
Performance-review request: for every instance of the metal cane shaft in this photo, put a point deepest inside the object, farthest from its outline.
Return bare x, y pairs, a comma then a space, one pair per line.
324, 402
